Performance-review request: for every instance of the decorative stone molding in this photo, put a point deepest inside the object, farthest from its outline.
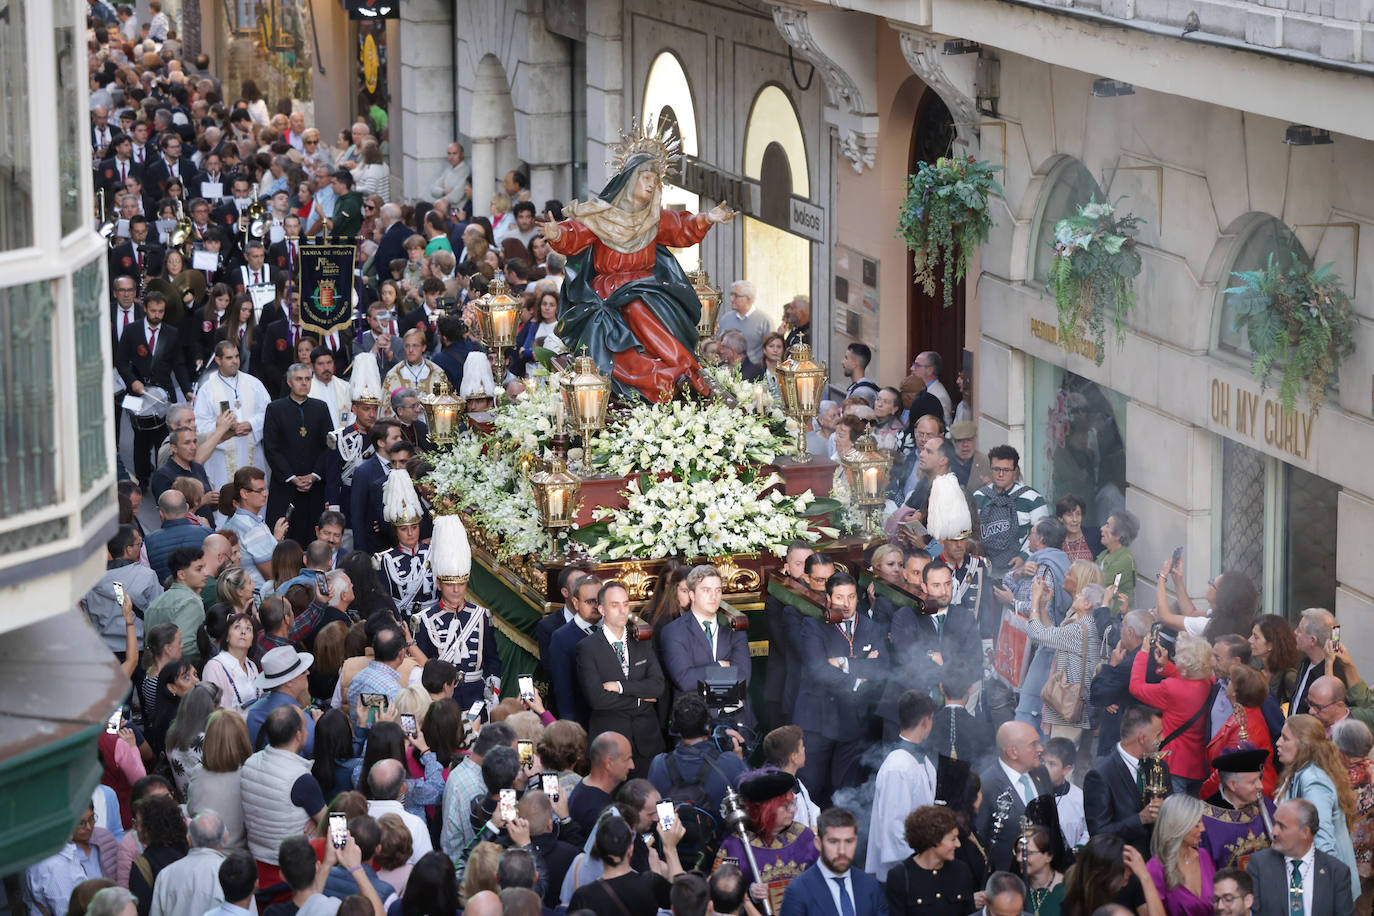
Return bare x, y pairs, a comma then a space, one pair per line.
795, 27
848, 107
859, 149
922, 51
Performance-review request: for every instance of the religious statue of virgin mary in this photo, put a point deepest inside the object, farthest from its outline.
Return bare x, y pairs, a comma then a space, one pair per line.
627, 300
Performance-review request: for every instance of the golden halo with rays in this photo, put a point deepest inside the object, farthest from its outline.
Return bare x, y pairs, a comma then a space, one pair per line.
661, 141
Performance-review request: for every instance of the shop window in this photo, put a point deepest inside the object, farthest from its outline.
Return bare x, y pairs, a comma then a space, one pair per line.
1079, 442
775, 260
1265, 236
1278, 529
1070, 185
1310, 536
16, 163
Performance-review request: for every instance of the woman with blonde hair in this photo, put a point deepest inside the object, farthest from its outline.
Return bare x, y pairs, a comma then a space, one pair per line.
215, 785
234, 588
194, 491
480, 874
1313, 770
1183, 695
1182, 870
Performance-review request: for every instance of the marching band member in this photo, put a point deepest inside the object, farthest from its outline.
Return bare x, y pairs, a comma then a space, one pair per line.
351, 445
405, 568
454, 628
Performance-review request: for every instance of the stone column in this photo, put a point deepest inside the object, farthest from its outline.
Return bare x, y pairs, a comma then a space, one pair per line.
427, 122
605, 84
483, 155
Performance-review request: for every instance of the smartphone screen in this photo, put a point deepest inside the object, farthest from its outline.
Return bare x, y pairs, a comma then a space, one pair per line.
408, 724
1336, 635
527, 687
338, 829
1116, 583
1178, 554
526, 750
116, 719
119, 593
549, 783
475, 711
507, 805
666, 816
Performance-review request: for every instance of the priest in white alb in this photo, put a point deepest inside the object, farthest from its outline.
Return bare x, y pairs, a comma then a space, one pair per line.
245, 397
328, 388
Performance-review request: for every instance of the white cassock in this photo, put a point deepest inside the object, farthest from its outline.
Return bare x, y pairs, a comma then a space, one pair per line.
337, 397
1073, 821
246, 397
903, 785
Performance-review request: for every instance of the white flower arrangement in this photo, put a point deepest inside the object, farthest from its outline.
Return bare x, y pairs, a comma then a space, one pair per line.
747, 393
710, 501
489, 487
527, 424
850, 518
705, 518
686, 440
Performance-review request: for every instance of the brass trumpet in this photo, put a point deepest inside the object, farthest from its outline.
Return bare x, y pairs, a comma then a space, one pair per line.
182, 233
255, 222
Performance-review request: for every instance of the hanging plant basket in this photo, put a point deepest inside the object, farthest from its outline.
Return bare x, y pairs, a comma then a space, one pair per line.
1093, 274
945, 216
1297, 321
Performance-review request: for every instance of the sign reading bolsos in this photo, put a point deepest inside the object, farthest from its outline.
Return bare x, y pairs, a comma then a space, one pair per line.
325, 286
1262, 419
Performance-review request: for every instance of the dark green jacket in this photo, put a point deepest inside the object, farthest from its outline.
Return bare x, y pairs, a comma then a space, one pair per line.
348, 215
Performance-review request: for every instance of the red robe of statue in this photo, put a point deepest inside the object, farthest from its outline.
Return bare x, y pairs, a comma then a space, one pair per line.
655, 371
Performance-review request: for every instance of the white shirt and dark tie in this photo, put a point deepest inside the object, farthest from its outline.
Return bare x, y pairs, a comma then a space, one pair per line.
1021, 782
1299, 875
621, 649
123, 318
841, 887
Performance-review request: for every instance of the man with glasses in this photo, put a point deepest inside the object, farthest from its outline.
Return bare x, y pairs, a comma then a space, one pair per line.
1009, 785
48, 884
744, 317
1233, 893
1007, 510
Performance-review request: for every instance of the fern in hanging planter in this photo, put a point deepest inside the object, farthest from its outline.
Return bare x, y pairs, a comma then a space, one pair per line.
945, 216
1298, 321
1093, 273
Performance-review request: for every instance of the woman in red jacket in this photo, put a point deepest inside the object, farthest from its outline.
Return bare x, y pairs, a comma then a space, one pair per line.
1182, 699
1245, 726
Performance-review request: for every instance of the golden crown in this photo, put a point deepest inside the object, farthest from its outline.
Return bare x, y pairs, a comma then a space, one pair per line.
658, 139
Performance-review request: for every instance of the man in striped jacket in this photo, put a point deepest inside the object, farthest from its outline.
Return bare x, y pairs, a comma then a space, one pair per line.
1007, 510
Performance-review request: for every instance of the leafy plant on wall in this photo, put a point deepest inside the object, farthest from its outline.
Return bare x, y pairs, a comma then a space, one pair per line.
945, 216
1093, 273
1298, 321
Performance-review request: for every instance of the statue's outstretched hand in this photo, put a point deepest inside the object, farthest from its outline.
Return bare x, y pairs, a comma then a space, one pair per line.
548, 227
720, 213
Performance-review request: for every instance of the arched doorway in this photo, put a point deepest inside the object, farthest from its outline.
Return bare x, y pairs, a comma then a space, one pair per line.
931, 326
491, 124
775, 260
669, 103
